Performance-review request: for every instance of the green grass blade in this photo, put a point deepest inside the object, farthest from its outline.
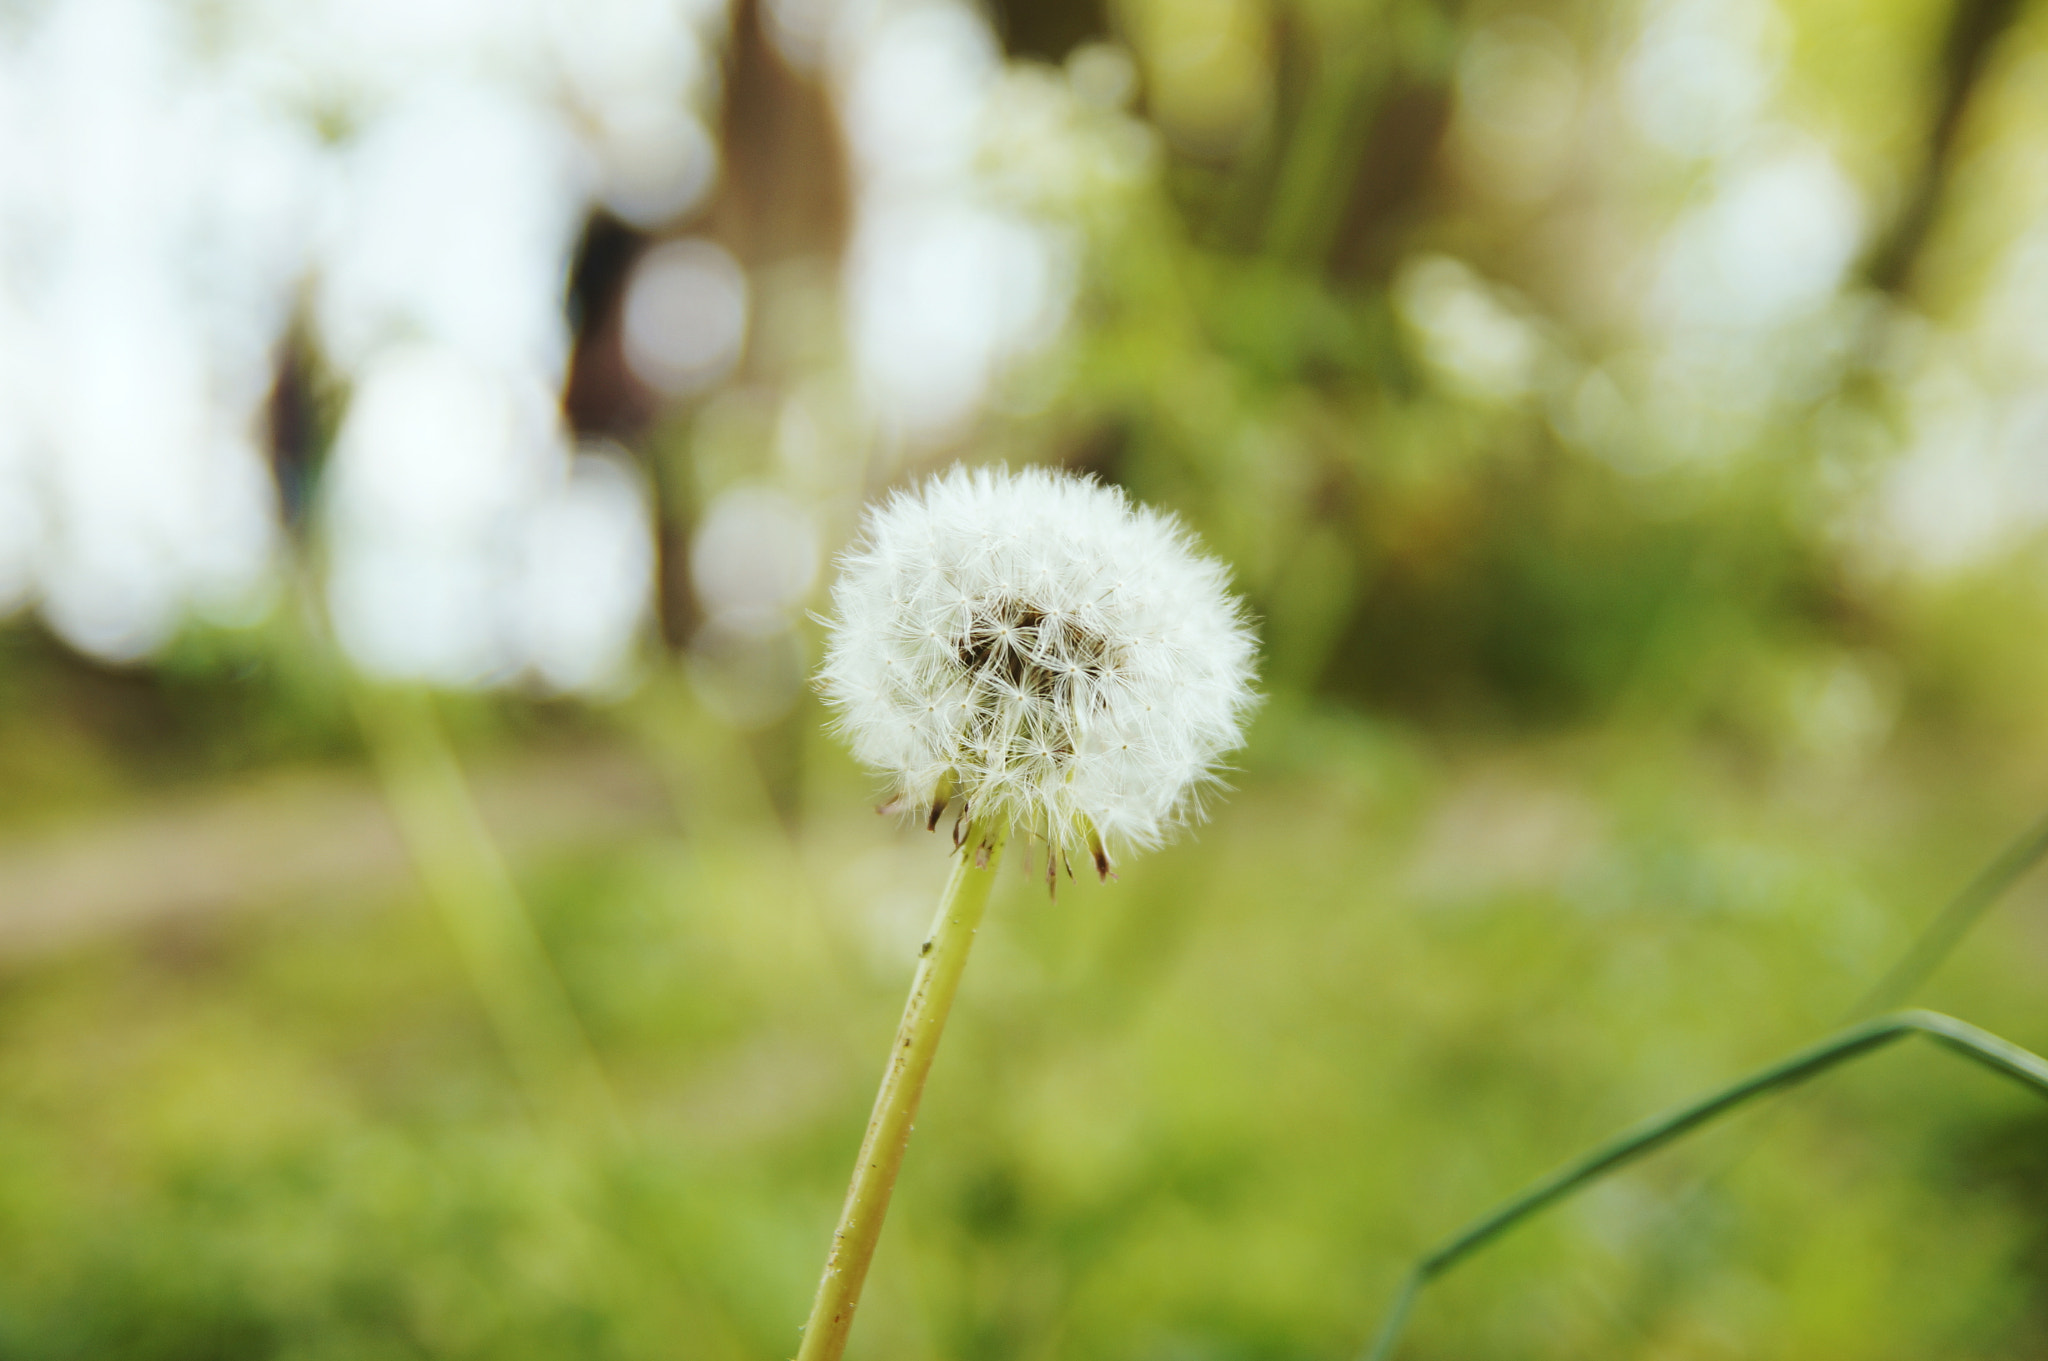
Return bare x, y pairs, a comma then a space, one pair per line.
1948, 928
1645, 1138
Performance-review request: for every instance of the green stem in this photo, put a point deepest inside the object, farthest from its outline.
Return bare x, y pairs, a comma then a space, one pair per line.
1955, 1036
1314, 179
910, 1059
466, 878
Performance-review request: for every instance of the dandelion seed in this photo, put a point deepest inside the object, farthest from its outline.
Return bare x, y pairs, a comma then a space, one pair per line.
1035, 644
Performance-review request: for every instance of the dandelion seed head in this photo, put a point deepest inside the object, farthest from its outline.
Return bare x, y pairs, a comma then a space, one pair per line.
1042, 647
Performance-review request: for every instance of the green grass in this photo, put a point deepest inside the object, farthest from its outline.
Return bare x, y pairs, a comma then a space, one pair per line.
1213, 1110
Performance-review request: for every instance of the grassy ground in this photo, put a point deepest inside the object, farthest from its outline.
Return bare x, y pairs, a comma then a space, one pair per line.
1208, 1111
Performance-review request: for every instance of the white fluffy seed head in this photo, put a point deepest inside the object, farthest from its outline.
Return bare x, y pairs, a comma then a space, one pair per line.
1044, 649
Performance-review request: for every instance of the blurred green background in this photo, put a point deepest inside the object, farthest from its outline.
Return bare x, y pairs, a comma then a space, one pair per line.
1627, 424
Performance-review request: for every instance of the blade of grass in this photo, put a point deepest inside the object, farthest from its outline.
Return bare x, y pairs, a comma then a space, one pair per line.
1645, 1138
1939, 938
1928, 952
466, 878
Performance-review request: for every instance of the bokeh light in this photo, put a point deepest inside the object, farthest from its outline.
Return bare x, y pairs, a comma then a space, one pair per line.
685, 316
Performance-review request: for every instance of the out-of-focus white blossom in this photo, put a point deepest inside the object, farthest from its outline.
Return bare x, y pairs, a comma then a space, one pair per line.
1036, 644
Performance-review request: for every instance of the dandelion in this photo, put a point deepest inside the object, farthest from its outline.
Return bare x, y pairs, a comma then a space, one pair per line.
1060, 660
1066, 665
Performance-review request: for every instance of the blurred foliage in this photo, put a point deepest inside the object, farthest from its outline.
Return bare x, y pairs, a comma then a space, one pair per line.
1593, 771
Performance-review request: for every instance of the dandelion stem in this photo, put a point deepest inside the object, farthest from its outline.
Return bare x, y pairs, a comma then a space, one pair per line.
910, 1059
